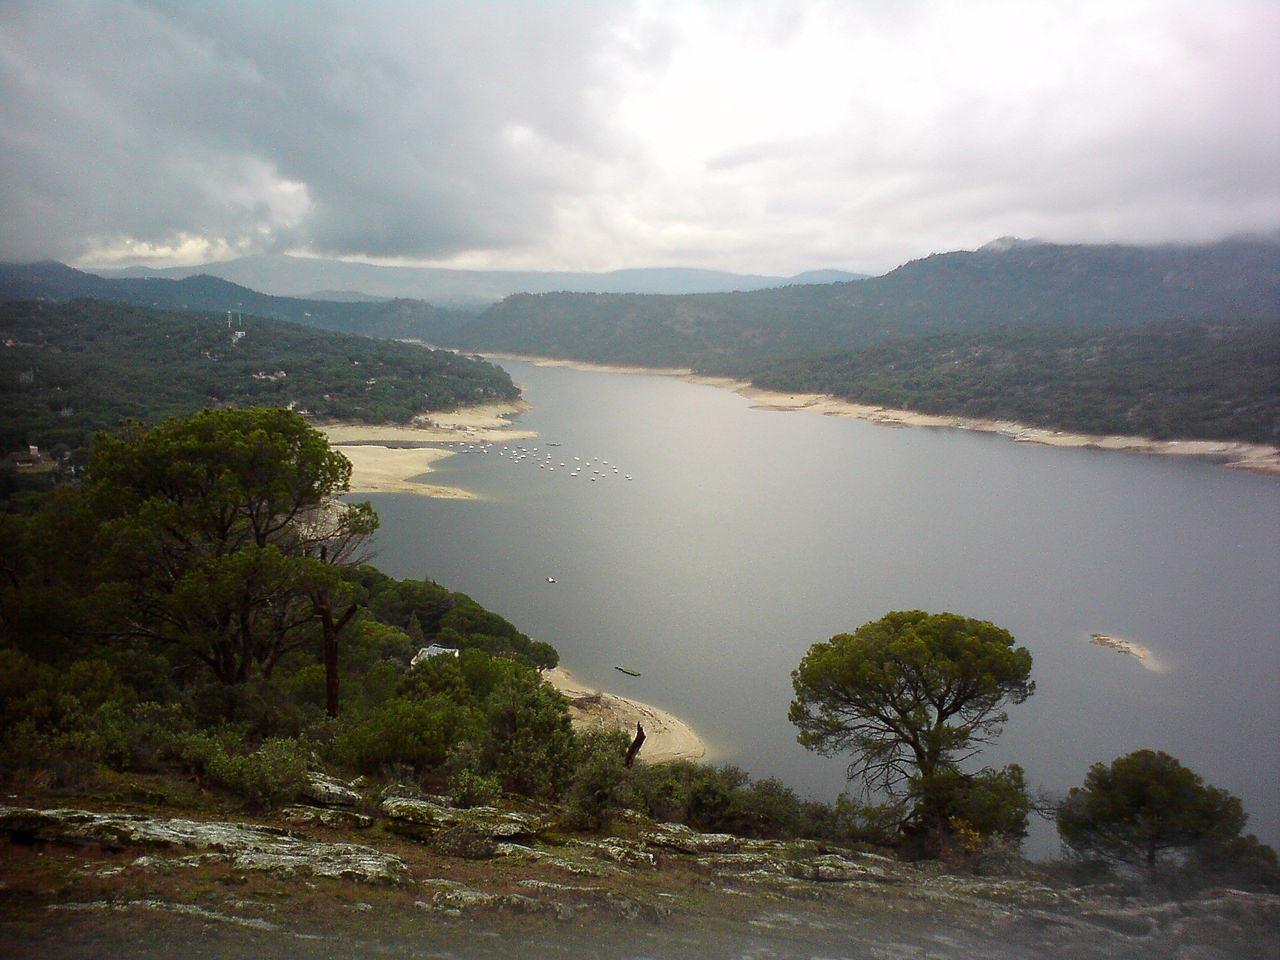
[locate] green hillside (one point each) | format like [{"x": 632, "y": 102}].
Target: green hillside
[
  {"x": 379, "y": 318},
  {"x": 1219, "y": 382},
  {"x": 70, "y": 369},
  {"x": 1034, "y": 286}
]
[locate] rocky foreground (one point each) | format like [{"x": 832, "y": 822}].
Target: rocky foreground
[{"x": 413, "y": 876}]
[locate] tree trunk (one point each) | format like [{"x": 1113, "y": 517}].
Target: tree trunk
[
  {"x": 330, "y": 630},
  {"x": 330, "y": 670},
  {"x": 634, "y": 749}
]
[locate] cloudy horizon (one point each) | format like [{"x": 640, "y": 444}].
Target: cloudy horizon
[{"x": 757, "y": 137}]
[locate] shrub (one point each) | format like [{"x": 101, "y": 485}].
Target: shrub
[
  {"x": 987, "y": 803},
  {"x": 470, "y": 789},
  {"x": 599, "y": 781},
  {"x": 414, "y": 732},
  {"x": 528, "y": 740},
  {"x": 1241, "y": 861},
  {"x": 272, "y": 774},
  {"x": 1144, "y": 808}
]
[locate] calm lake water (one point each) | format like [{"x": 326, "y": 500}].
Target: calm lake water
[{"x": 747, "y": 535}]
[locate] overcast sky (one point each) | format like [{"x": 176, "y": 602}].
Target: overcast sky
[{"x": 762, "y": 137}]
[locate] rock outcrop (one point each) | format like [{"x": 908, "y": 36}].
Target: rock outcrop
[{"x": 245, "y": 846}]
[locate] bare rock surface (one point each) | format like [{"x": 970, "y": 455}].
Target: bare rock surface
[
  {"x": 660, "y": 890},
  {"x": 326, "y": 791},
  {"x": 424, "y": 817},
  {"x": 245, "y": 846}
]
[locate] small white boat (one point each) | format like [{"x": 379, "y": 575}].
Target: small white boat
[{"x": 551, "y": 579}]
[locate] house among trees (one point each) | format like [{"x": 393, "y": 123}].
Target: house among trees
[
  {"x": 28, "y": 459},
  {"x": 435, "y": 650}
]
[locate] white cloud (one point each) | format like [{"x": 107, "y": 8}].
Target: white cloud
[{"x": 767, "y": 137}]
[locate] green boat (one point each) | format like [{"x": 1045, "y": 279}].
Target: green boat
[{"x": 629, "y": 673}]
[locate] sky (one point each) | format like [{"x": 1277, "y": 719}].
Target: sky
[{"x": 766, "y": 137}]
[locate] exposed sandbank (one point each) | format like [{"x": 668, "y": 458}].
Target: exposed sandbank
[
  {"x": 666, "y": 737},
  {"x": 1129, "y": 648},
  {"x": 586, "y": 365},
  {"x": 1256, "y": 457},
  {"x": 386, "y": 458}
]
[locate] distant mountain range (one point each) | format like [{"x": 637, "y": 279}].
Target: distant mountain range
[
  {"x": 284, "y": 275},
  {"x": 1006, "y": 284},
  {"x": 51, "y": 280},
  {"x": 1171, "y": 341}
]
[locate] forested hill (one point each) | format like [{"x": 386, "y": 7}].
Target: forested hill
[
  {"x": 1023, "y": 285},
  {"x": 1167, "y": 381},
  {"x": 68, "y": 369},
  {"x": 51, "y": 280}
]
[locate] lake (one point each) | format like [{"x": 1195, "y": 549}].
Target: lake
[{"x": 747, "y": 535}]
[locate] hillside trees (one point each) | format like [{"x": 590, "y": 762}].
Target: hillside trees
[
  {"x": 216, "y": 541},
  {"x": 1146, "y": 808},
  {"x": 911, "y": 696}
]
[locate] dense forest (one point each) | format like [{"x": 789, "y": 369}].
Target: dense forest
[
  {"x": 1218, "y": 382},
  {"x": 377, "y": 318},
  {"x": 70, "y": 369}
]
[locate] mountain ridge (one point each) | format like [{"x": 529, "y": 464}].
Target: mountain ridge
[{"x": 285, "y": 275}]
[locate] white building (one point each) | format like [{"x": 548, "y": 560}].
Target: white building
[{"x": 435, "y": 650}]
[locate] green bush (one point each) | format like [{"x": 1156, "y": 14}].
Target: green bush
[
  {"x": 696, "y": 794},
  {"x": 470, "y": 789},
  {"x": 528, "y": 741},
  {"x": 990, "y": 803},
  {"x": 272, "y": 774},
  {"x": 599, "y": 782},
  {"x": 419, "y": 733}
]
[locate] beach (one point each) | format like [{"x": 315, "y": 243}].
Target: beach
[
  {"x": 1255, "y": 457},
  {"x": 392, "y": 458},
  {"x": 667, "y": 737}
]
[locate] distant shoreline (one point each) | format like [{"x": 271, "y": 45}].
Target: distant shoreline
[{"x": 1238, "y": 455}]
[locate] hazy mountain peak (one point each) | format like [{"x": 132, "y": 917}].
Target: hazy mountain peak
[{"x": 1004, "y": 244}]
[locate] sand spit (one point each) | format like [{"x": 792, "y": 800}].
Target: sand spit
[
  {"x": 585, "y": 365},
  {"x": 386, "y": 458},
  {"x": 666, "y": 737},
  {"x": 1130, "y": 649},
  {"x": 1255, "y": 457}
]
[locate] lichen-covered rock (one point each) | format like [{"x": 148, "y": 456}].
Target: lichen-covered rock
[
  {"x": 186, "y": 909},
  {"x": 617, "y": 851},
  {"x": 517, "y": 851},
  {"x": 454, "y": 898},
  {"x": 682, "y": 839},
  {"x": 246, "y": 847},
  {"x": 600, "y": 900},
  {"x": 834, "y": 868},
  {"x": 304, "y": 816},
  {"x": 326, "y": 791},
  {"x": 421, "y": 819}
]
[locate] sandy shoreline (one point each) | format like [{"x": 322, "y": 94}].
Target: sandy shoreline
[
  {"x": 387, "y": 458},
  {"x": 1255, "y": 457},
  {"x": 667, "y": 737}
]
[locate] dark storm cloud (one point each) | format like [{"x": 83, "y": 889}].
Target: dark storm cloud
[{"x": 380, "y": 129}]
